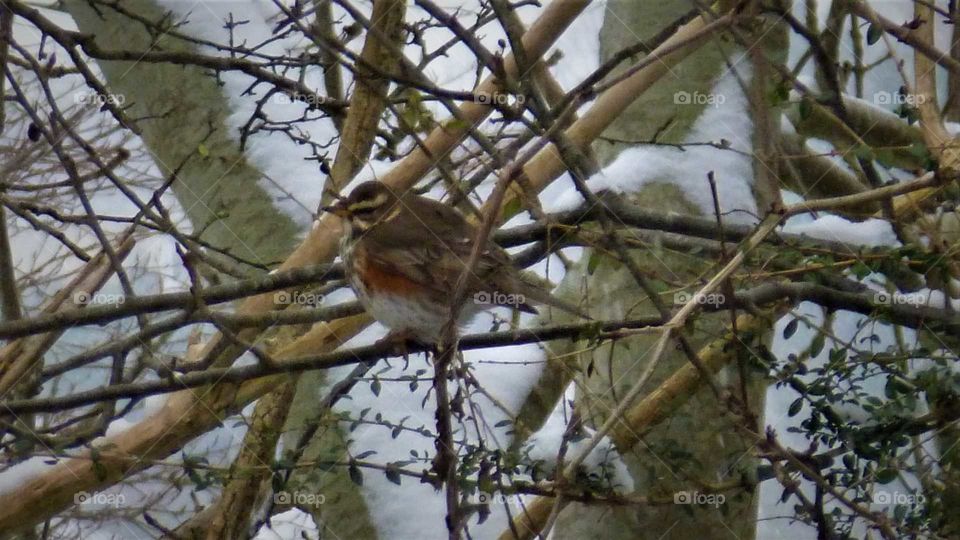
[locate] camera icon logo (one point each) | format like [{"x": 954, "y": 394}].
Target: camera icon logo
[
  {"x": 482, "y": 297},
  {"x": 682, "y": 497},
  {"x": 281, "y": 497},
  {"x": 682, "y": 98}
]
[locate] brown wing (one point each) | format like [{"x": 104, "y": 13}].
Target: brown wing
[{"x": 431, "y": 246}]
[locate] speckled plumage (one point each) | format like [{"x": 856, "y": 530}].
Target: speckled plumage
[{"x": 404, "y": 254}]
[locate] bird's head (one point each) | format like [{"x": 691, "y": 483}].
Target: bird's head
[{"x": 369, "y": 203}]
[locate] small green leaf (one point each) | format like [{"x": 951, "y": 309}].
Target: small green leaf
[
  {"x": 795, "y": 407},
  {"x": 203, "y": 150},
  {"x": 860, "y": 270},
  {"x": 791, "y": 328},
  {"x": 393, "y": 475},
  {"x": 864, "y": 152},
  {"x": 455, "y": 124},
  {"x": 805, "y": 109},
  {"x": 355, "y": 475},
  {"x": 817, "y": 346},
  {"x": 779, "y": 94},
  {"x": 874, "y": 33},
  {"x": 593, "y": 262},
  {"x": 512, "y": 208},
  {"x": 885, "y": 476}
]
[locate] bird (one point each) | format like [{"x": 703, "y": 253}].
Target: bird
[{"x": 403, "y": 255}]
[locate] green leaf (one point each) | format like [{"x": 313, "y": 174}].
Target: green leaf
[
  {"x": 791, "y": 328},
  {"x": 355, "y": 475},
  {"x": 860, "y": 270},
  {"x": 817, "y": 346},
  {"x": 594, "y": 262},
  {"x": 393, "y": 475},
  {"x": 805, "y": 109},
  {"x": 864, "y": 152},
  {"x": 99, "y": 471},
  {"x": 795, "y": 407},
  {"x": 779, "y": 94},
  {"x": 885, "y": 476},
  {"x": 455, "y": 124},
  {"x": 512, "y": 208},
  {"x": 874, "y": 33},
  {"x": 203, "y": 150},
  {"x": 375, "y": 387}
]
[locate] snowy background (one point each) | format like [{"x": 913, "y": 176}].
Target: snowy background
[{"x": 507, "y": 373}]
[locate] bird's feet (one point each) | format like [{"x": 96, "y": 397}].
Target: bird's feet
[{"x": 402, "y": 342}]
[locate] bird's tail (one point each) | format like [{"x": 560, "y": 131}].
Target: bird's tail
[{"x": 539, "y": 294}]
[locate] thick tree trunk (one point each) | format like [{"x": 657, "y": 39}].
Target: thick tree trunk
[
  {"x": 183, "y": 108},
  {"x": 697, "y": 445}
]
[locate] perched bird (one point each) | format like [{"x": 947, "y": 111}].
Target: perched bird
[{"x": 404, "y": 254}]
